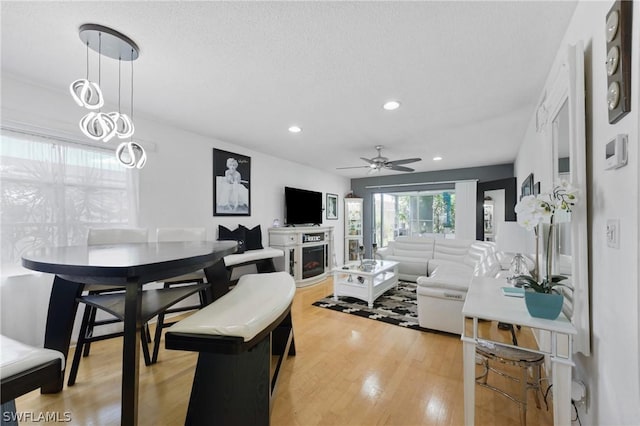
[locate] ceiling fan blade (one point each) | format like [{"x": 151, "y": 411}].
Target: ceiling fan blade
[
  {"x": 399, "y": 168},
  {"x": 367, "y": 160},
  {"x": 353, "y": 167},
  {"x": 405, "y": 161}
]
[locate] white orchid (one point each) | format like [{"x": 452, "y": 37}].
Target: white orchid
[
  {"x": 533, "y": 210},
  {"x": 543, "y": 208},
  {"x": 529, "y": 211}
]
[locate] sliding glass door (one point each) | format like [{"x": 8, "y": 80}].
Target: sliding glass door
[{"x": 412, "y": 213}]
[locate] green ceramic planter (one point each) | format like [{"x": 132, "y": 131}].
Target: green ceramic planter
[{"x": 543, "y": 305}]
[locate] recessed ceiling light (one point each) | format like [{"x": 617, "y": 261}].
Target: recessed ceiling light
[
  {"x": 437, "y": 158},
  {"x": 295, "y": 129},
  {"x": 391, "y": 105}
]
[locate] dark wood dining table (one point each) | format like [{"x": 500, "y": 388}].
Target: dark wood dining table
[{"x": 128, "y": 265}]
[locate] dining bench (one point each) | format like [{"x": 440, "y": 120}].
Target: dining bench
[
  {"x": 236, "y": 336},
  {"x": 24, "y": 368},
  {"x": 262, "y": 258},
  {"x": 221, "y": 275}
]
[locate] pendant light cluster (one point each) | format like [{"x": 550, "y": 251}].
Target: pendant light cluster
[{"x": 104, "y": 126}]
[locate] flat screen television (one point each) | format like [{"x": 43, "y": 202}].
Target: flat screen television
[{"x": 302, "y": 207}]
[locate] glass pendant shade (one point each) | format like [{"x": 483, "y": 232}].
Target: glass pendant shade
[
  {"x": 87, "y": 94},
  {"x": 124, "y": 125},
  {"x": 130, "y": 155},
  {"x": 98, "y": 126}
]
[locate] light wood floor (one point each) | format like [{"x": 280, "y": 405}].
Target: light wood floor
[{"x": 347, "y": 371}]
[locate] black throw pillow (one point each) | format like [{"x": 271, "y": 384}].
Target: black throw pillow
[
  {"x": 253, "y": 239},
  {"x": 239, "y": 235}
]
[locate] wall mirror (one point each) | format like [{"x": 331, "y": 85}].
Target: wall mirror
[{"x": 566, "y": 132}]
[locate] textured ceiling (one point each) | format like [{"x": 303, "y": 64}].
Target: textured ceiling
[{"x": 468, "y": 74}]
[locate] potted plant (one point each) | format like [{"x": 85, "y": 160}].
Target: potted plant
[
  {"x": 541, "y": 295},
  {"x": 542, "y": 298}
]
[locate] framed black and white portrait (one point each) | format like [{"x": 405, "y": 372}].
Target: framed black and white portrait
[
  {"x": 231, "y": 184},
  {"x": 332, "y": 206}
]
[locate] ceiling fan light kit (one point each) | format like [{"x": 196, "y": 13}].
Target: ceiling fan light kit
[{"x": 379, "y": 162}]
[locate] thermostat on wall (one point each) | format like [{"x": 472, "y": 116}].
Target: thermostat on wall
[{"x": 616, "y": 152}]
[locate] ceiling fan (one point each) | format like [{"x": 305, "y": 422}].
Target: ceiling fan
[{"x": 378, "y": 163}]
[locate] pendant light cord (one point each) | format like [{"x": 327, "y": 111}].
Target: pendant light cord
[
  {"x": 99, "y": 59},
  {"x": 100, "y": 62},
  {"x": 119, "y": 82},
  {"x": 87, "y": 59},
  {"x": 131, "y": 139}
]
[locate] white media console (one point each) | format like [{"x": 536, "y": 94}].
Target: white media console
[{"x": 308, "y": 251}]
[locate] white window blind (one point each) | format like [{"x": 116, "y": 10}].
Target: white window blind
[{"x": 53, "y": 191}]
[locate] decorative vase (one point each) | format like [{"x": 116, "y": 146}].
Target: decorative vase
[{"x": 543, "y": 305}]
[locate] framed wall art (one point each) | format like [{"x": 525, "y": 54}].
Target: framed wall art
[
  {"x": 332, "y": 206},
  {"x": 527, "y": 186},
  {"x": 536, "y": 188},
  {"x": 231, "y": 184}
]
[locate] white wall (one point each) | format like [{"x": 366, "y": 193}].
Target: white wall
[
  {"x": 176, "y": 185},
  {"x": 612, "y": 373}
]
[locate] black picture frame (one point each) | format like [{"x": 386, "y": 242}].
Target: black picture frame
[
  {"x": 536, "y": 188},
  {"x": 331, "y": 208},
  {"x": 231, "y": 184},
  {"x": 527, "y": 186}
]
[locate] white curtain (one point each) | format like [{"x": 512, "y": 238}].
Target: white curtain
[
  {"x": 53, "y": 191},
  {"x": 466, "y": 210}
]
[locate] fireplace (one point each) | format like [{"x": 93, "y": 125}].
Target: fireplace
[
  {"x": 312, "y": 261},
  {"x": 307, "y": 250}
]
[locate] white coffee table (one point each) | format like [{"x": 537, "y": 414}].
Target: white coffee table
[{"x": 365, "y": 284}]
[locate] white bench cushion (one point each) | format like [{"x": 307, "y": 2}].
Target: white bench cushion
[
  {"x": 16, "y": 357},
  {"x": 250, "y": 307},
  {"x": 252, "y": 255}
]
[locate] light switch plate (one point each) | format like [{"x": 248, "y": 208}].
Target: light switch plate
[{"x": 613, "y": 233}]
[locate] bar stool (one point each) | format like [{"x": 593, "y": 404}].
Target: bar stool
[
  {"x": 198, "y": 277},
  {"x": 530, "y": 364},
  {"x": 111, "y": 299},
  {"x": 99, "y": 236}
]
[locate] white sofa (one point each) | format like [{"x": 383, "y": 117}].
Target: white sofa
[
  {"x": 443, "y": 270},
  {"x": 412, "y": 255}
]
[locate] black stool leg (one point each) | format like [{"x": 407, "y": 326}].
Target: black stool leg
[
  {"x": 80, "y": 345},
  {"x": 90, "y": 325},
  {"x": 156, "y": 338}
]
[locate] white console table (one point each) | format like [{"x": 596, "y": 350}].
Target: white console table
[
  {"x": 308, "y": 251},
  {"x": 485, "y": 301}
]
